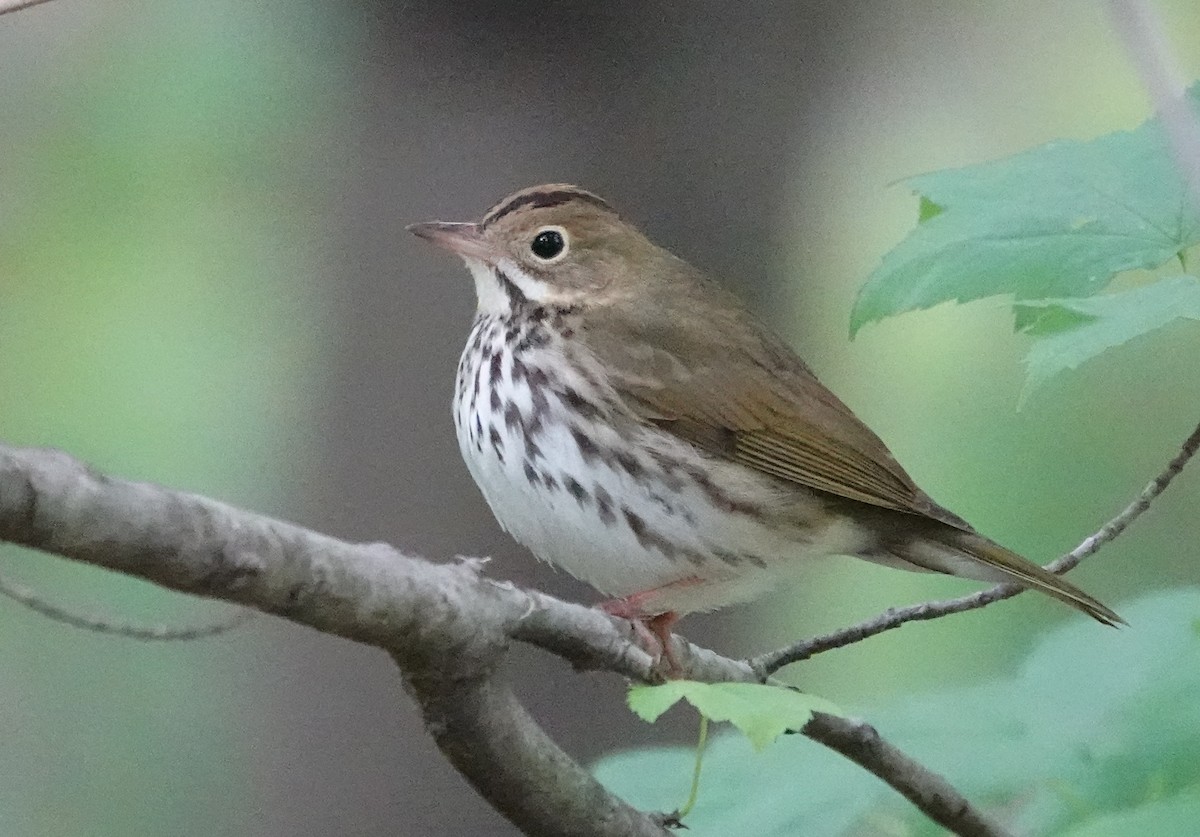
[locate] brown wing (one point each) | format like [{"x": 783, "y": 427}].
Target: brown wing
[{"x": 717, "y": 378}]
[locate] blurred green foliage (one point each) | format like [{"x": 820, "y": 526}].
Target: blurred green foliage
[
  {"x": 1086, "y": 737},
  {"x": 160, "y": 316}
]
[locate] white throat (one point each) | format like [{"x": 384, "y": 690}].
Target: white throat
[
  {"x": 492, "y": 295},
  {"x": 491, "y": 298}
]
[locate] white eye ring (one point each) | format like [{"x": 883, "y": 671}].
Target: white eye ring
[{"x": 550, "y": 244}]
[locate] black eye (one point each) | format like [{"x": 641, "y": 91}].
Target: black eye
[{"x": 547, "y": 244}]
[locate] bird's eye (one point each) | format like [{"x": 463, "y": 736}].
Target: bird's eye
[{"x": 549, "y": 243}]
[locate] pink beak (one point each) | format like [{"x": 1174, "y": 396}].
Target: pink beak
[{"x": 465, "y": 239}]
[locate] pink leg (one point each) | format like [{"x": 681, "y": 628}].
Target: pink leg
[{"x": 653, "y": 629}]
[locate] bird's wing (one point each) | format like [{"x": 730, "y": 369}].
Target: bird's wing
[{"x": 732, "y": 388}]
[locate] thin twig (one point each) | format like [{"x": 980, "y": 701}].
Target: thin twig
[
  {"x": 103, "y": 625},
  {"x": 768, "y": 664}
]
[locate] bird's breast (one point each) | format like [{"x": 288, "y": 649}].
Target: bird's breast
[{"x": 613, "y": 500}]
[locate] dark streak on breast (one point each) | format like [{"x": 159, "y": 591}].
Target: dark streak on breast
[
  {"x": 516, "y": 297},
  {"x": 587, "y": 448},
  {"x": 604, "y": 505}
]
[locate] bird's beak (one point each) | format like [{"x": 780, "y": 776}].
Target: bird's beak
[{"x": 464, "y": 239}]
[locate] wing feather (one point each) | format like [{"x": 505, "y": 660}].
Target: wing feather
[{"x": 722, "y": 381}]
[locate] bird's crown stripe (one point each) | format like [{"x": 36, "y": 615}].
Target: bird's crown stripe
[{"x": 542, "y": 199}]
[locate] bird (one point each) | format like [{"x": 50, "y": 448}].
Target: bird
[{"x": 630, "y": 421}]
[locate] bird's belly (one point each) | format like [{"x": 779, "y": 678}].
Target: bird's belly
[
  {"x": 637, "y": 511},
  {"x": 573, "y": 514}
]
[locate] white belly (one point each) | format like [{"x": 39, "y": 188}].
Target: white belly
[{"x": 624, "y": 517}]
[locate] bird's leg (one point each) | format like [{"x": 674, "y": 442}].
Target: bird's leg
[
  {"x": 653, "y": 633},
  {"x": 659, "y": 627},
  {"x": 653, "y": 630}
]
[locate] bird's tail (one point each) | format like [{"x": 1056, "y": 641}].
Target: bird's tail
[{"x": 971, "y": 555}]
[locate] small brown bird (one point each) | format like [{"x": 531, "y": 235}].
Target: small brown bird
[{"x": 632, "y": 423}]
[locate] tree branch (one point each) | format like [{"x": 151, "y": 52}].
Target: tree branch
[
  {"x": 7, "y": 6},
  {"x": 443, "y": 623},
  {"x": 768, "y": 664},
  {"x": 446, "y": 626},
  {"x": 862, "y": 744},
  {"x": 484, "y": 731}
]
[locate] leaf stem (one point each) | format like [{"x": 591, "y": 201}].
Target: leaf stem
[{"x": 695, "y": 791}]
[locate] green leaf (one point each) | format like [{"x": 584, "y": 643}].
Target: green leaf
[
  {"x": 1083, "y": 328},
  {"x": 1038, "y": 321},
  {"x": 927, "y": 209},
  {"x": 1096, "y": 727},
  {"x": 1056, "y": 221},
  {"x": 762, "y": 713}
]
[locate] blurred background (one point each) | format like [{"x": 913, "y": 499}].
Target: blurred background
[{"x": 205, "y": 283}]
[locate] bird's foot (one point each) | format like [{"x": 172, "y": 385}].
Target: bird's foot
[{"x": 653, "y": 633}]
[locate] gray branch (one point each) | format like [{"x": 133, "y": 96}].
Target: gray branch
[
  {"x": 446, "y": 626},
  {"x": 862, "y": 744}
]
